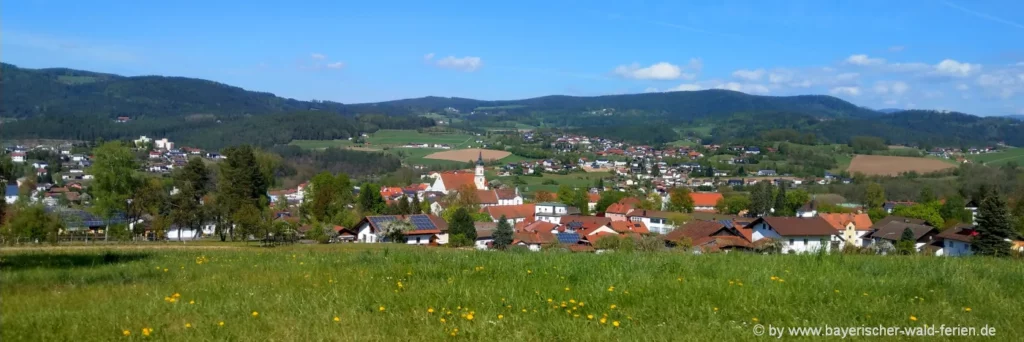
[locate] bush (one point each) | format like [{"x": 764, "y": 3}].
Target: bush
[
  {"x": 650, "y": 243},
  {"x": 459, "y": 240}
]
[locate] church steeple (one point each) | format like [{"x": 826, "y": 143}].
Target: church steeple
[
  {"x": 480, "y": 158},
  {"x": 478, "y": 176}
]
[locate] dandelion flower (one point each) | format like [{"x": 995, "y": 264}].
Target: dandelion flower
[
  {"x": 176, "y": 295},
  {"x": 146, "y": 331},
  {"x": 126, "y": 333},
  {"x": 529, "y": 272},
  {"x": 337, "y": 319},
  {"x": 524, "y": 310},
  {"x": 443, "y": 320},
  {"x": 616, "y": 324},
  {"x": 501, "y": 316},
  {"x": 165, "y": 270},
  {"x": 453, "y": 333},
  {"x": 220, "y": 324},
  {"x": 580, "y": 304},
  {"x": 604, "y": 320},
  {"x": 837, "y": 291},
  {"x": 613, "y": 306},
  {"x": 380, "y": 308},
  {"x": 550, "y": 300},
  {"x": 255, "y": 314},
  {"x": 188, "y": 325},
  {"x": 912, "y": 318},
  {"x": 967, "y": 309},
  {"x": 590, "y": 316},
  {"x": 430, "y": 310},
  {"x": 567, "y": 289},
  {"x": 192, "y": 302},
  {"x": 573, "y": 301},
  {"x": 716, "y": 309},
  {"x": 469, "y": 317},
  {"x": 754, "y": 319}
]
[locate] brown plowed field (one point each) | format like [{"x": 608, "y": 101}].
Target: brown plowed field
[{"x": 893, "y": 166}]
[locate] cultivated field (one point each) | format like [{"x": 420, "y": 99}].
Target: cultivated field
[
  {"x": 468, "y": 154},
  {"x": 889, "y": 165},
  {"x": 403, "y": 293},
  {"x": 999, "y": 158}
]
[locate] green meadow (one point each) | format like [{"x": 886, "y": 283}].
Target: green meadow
[
  {"x": 1015, "y": 155},
  {"x": 534, "y": 184},
  {"x": 409, "y": 293}
]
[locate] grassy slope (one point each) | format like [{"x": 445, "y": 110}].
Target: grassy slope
[
  {"x": 298, "y": 290},
  {"x": 999, "y": 158},
  {"x": 576, "y": 179}
]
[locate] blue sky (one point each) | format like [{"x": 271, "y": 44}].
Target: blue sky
[{"x": 956, "y": 55}]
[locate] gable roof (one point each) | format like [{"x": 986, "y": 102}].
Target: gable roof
[
  {"x": 423, "y": 223},
  {"x": 535, "y": 237},
  {"x": 486, "y": 197},
  {"x": 619, "y": 208},
  {"x": 705, "y": 199},
  {"x": 694, "y": 230},
  {"x": 506, "y": 194},
  {"x": 892, "y": 218},
  {"x": 520, "y": 211},
  {"x": 455, "y": 180},
  {"x": 593, "y": 197},
  {"x": 649, "y": 213},
  {"x": 839, "y": 221},
  {"x": 797, "y": 226},
  {"x": 535, "y": 226},
  {"x": 893, "y": 230},
  {"x": 624, "y": 227},
  {"x": 585, "y": 219},
  {"x": 962, "y": 233}
]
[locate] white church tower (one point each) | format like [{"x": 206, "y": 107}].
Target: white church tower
[{"x": 478, "y": 176}]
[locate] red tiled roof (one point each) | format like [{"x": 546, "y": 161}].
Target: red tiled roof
[
  {"x": 506, "y": 194},
  {"x": 624, "y": 227},
  {"x": 632, "y": 201},
  {"x": 959, "y": 233},
  {"x": 487, "y": 197},
  {"x": 648, "y": 213},
  {"x": 619, "y": 208},
  {"x": 593, "y": 198},
  {"x": 524, "y": 211},
  {"x": 535, "y": 226},
  {"x": 705, "y": 199},
  {"x": 839, "y": 221},
  {"x": 390, "y": 191},
  {"x": 694, "y": 230},
  {"x": 585, "y": 219},
  {"x": 455, "y": 180},
  {"x": 535, "y": 237}
]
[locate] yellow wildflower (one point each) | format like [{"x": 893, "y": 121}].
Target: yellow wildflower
[
  {"x": 573, "y": 301},
  {"x": 430, "y": 310},
  {"x": 176, "y": 295},
  {"x": 580, "y": 304},
  {"x": 967, "y": 309},
  {"x": 443, "y": 320},
  {"x": 716, "y": 309},
  {"x": 126, "y": 333},
  {"x": 188, "y": 325},
  {"x": 380, "y": 308},
  {"x": 616, "y": 324},
  {"x": 220, "y": 324},
  {"x": 590, "y": 316},
  {"x": 754, "y": 319},
  {"x": 192, "y": 302},
  {"x": 524, "y": 310},
  {"x": 613, "y": 306},
  {"x": 501, "y": 316},
  {"x": 337, "y": 319},
  {"x": 165, "y": 270},
  {"x": 146, "y": 331},
  {"x": 255, "y": 314},
  {"x": 567, "y": 289},
  {"x": 912, "y": 318},
  {"x": 469, "y": 317},
  {"x": 604, "y": 320}
]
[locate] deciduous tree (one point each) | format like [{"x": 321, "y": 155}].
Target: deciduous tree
[{"x": 680, "y": 200}]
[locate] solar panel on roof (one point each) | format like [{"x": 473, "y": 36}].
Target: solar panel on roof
[
  {"x": 568, "y": 237},
  {"x": 422, "y": 222},
  {"x": 379, "y": 220}
]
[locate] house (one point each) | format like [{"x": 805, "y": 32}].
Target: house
[
  {"x": 18, "y": 157},
  {"x": 11, "y": 194},
  {"x": 629, "y": 227},
  {"x": 513, "y": 213},
  {"x": 427, "y": 229},
  {"x": 453, "y": 181},
  {"x": 957, "y": 241},
  {"x": 592, "y": 199},
  {"x": 891, "y": 229},
  {"x": 550, "y": 211},
  {"x": 656, "y": 221},
  {"x": 344, "y": 234},
  {"x": 484, "y": 234},
  {"x": 850, "y": 228},
  {"x": 766, "y": 173},
  {"x": 618, "y": 211},
  {"x": 705, "y": 201},
  {"x": 178, "y": 233},
  {"x": 488, "y": 198},
  {"x": 972, "y": 206},
  {"x": 809, "y": 209},
  {"x": 709, "y": 236},
  {"x": 794, "y": 234},
  {"x": 533, "y": 240}
]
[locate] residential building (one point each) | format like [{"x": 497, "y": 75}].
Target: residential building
[
  {"x": 851, "y": 229},
  {"x": 550, "y": 211},
  {"x": 891, "y": 229},
  {"x": 656, "y": 221},
  {"x": 957, "y": 241},
  {"x": 794, "y": 234},
  {"x": 709, "y": 236},
  {"x": 18, "y": 157},
  {"x": 11, "y": 193},
  {"x": 513, "y": 213},
  {"x": 705, "y": 201},
  {"x": 427, "y": 229}
]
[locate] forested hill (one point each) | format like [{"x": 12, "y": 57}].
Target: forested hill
[
  {"x": 683, "y": 105},
  {"x": 32, "y": 92}
]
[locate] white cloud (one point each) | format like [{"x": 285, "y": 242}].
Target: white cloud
[
  {"x": 428, "y": 56},
  {"x": 896, "y": 48},
  {"x": 696, "y": 64},
  {"x": 336, "y": 65},
  {"x": 864, "y": 60},
  {"x": 749, "y": 75},
  {"x": 846, "y": 77},
  {"x": 467, "y": 64},
  {"x": 851, "y": 91},
  {"x": 686, "y": 87},
  {"x": 750, "y": 88},
  {"x": 952, "y": 67},
  {"x": 778, "y": 77},
  {"x": 318, "y": 56},
  {"x": 893, "y": 87},
  {"x": 651, "y": 90},
  {"x": 657, "y": 71}
]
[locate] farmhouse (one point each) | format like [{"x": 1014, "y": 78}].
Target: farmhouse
[
  {"x": 709, "y": 236},
  {"x": 795, "y": 234},
  {"x": 427, "y": 229}
]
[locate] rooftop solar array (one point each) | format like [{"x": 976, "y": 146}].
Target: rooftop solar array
[
  {"x": 569, "y": 238},
  {"x": 381, "y": 220},
  {"x": 422, "y": 222}
]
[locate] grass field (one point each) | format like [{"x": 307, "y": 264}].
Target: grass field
[
  {"x": 999, "y": 158},
  {"x": 388, "y": 292},
  {"x": 576, "y": 179},
  {"x": 394, "y": 137},
  {"x": 321, "y": 144}
]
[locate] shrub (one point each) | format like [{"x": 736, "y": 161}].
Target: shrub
[
  {"x": 459, "y": 240},
  {"x": 650, "y": 243}
]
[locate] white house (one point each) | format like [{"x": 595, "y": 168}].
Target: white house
[
  {"x": 851, "y": 229},
  {"x": 453, "y": 181},
  {"x": 177, "y": 233},
  {"x": 11, "y": 194},
  {"x": 427, "y": 229},
  {"x": 891, "y": 229},
  {"x": 18, "y": 157},
  {"x": 957, "y": 241},
  {"x": 795, "y": 234},
  {"x": 164, "y": 144},
  {"x": 513, "y": 213},
  {"x": 656, "y": 221},
  {"x": 550, "y": 211}
]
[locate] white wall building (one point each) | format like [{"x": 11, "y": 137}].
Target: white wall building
[{"x": 794, "y": 234}]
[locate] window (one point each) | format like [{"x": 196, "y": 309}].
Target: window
[
  {"x": 417, "y": 239},
  {"x": 805, "y": 242},
  {"x": 791, "y": 241}
]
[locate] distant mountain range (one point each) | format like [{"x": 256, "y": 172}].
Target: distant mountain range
[{"x": 59, "y": 96}]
